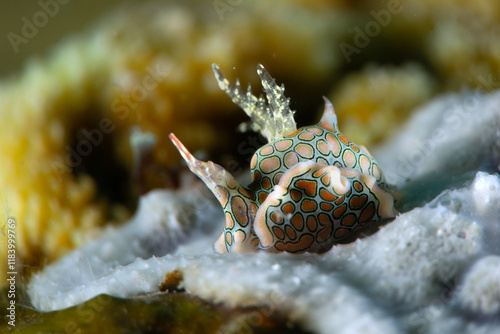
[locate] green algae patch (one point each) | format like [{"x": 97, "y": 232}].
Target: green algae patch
[
  {"x": 154, "y": 313},
  {"x": 165, "y": 313}
]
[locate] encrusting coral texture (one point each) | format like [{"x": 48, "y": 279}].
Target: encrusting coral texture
[{"x": 434, "y": 269}]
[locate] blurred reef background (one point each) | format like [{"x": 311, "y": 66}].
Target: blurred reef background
[{"x": 80, "y": 83}]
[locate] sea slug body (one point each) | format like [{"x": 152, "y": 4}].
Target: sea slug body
[{"x": 310, "y": 188}]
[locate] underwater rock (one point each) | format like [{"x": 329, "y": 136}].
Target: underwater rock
[
  {"x": 417, "y": 273},
  {"x": 164, "y": 220},
  {"x": 480, "y": 290},
  {"x": 453, "y": 134},
  {"x": 443, "y": 144},
  {"x": 397, "y": 274}
]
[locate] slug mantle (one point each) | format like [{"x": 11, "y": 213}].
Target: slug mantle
[{"x": 310, "y": 189}]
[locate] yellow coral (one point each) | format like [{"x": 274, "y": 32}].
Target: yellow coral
[
  {"x": 376, "y": 100},
  {"x": 459, "y": 39}
]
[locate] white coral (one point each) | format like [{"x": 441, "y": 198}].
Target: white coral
[{"x": 480, "y": 291}]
